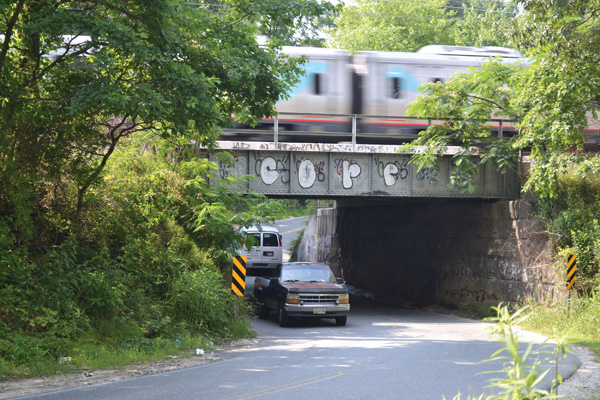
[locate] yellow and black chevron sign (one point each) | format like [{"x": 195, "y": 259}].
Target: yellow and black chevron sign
[
  {"x": 238, "y": 275},
  {"x": 571, "y": 271}
]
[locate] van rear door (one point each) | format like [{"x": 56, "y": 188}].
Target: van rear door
[
  {"x": 271, "y": 248},
  {"x": 254, "y": 254}
]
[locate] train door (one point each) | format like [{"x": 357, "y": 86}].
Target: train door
[
  {"x": 391, "y": 84},
  {"x": 320, "y": 75},
  {"x": 357, "y": 91},
  {"x": 398, "y": 87},
  {"x": 310, "y": 94}
]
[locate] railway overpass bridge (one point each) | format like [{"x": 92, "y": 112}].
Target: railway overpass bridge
[
  {"x": 317, "y": 170},
  {"x": 334, "y": 161},
  {"x": 403, "y": 233}
]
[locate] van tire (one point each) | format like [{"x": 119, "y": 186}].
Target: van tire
[{"x": 341, "y": 321}]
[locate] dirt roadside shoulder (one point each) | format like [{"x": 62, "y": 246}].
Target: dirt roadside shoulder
[
  {"x": 45, "y": 384},
  {"x": 584, "y": 384}
]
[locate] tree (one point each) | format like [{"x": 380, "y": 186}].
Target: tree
[
  {"x": 482, "y": 23},
  {"x": 559, "y": 92},
  {"x": 396, "y": 25},
  {"x": 465, "y": 103},
  {"x": 552, "y": 98},
  {"x": 383, "y": 25},
  {"x": 79, "y": 76},
  {"x": 308, "y": 30}
]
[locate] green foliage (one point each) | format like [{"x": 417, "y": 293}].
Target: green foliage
[
  {"x": 573, "y": 215},
  {"x": 465, "y": 103},
  {"x": 522, "y": 369},
  {"x": 293, "y": 246},
  {"x": 391, "y": 26},
  {"x": 579, "y": 317},
  {"x": 200, "y": 299},
  {"x": 551, "y": 100},
  {"x": 482, "y": 22},
  {"x": 78, "y": 77},
  {"x": 407, "y": 26},
  {"x": 140, "y": 275},
  {"x": 307, "y": 29},
  {"x": 105, "y": 210},
  {"x": 296, "y": 207},
  {"x": 477, "y": 309}
]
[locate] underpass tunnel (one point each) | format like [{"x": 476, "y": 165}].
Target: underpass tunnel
[
  {"x": 397, "y": 250},
  {"x": 438, "y": 251}
]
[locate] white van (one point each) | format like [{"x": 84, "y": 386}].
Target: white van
[{"x": 267, "y": 253}]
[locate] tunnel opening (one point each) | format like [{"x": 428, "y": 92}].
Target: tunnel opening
[{"x": 441, "y": 251}]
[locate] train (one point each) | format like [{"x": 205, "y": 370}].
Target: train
[{"x": 375, "y": 86}]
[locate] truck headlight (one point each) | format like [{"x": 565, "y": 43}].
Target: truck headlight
[
  {"x": 292, "y": 298},
  {"x": 344, "y": 298}
]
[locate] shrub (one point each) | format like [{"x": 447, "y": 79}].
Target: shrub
[
  {"x": 136, "y": 270},
  {"x": 573, "y": 216},
  {"x": 201, "y": 300}
]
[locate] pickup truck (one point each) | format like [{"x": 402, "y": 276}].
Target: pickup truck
[{"x": 304, "y": 290}]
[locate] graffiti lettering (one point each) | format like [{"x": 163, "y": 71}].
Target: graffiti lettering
[
  {"x": 347, "y": 170},
  {"x": 350, "y": 171},
  {"x": 308, "y": 147},
  {"x": 309, "y": 171},
  {"x": 270, "y": 169},
  {"x": 225, "y": 168},
  {"x": 320, "y": 147},
  {"x": 240, "y": 146},
  {"x": 429, "y": 174},
  {"x": 283, "y": 169},
  {"x": 320, "y": 170},
  {"x": 306, "y": 174},
  {"x": 391, "y": 172}
]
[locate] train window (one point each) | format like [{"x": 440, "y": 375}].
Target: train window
[
  {"x": 396, "y": 87},
  {"x": 318, "y": 84}
]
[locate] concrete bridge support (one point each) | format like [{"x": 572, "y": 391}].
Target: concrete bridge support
[
  {"x": 444, "y": 251},
  {"x": 320, "y": 240}
]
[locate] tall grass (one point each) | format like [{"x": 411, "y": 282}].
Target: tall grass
[
  {"x": 580, "y": 316},
  {"x": 95, "y": 351}
]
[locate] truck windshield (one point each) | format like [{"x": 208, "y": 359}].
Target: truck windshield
[{"x": 307, "y": 274}]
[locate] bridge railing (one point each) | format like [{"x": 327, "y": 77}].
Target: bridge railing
[{"x": 402, "y": 128}]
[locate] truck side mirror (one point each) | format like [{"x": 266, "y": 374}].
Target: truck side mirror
[{"x": 340, "y": 280}]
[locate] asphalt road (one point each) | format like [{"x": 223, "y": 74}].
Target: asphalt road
[
  {"x": 290, "y": 229},
  {"x": 382, "y": 353}
]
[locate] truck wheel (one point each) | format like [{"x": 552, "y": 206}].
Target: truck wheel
[
  {"x": 282, "y": 317},
  {"x": 341, "y": 321}
]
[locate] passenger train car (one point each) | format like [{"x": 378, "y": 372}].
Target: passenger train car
[{"x": 375, "y": 86}]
